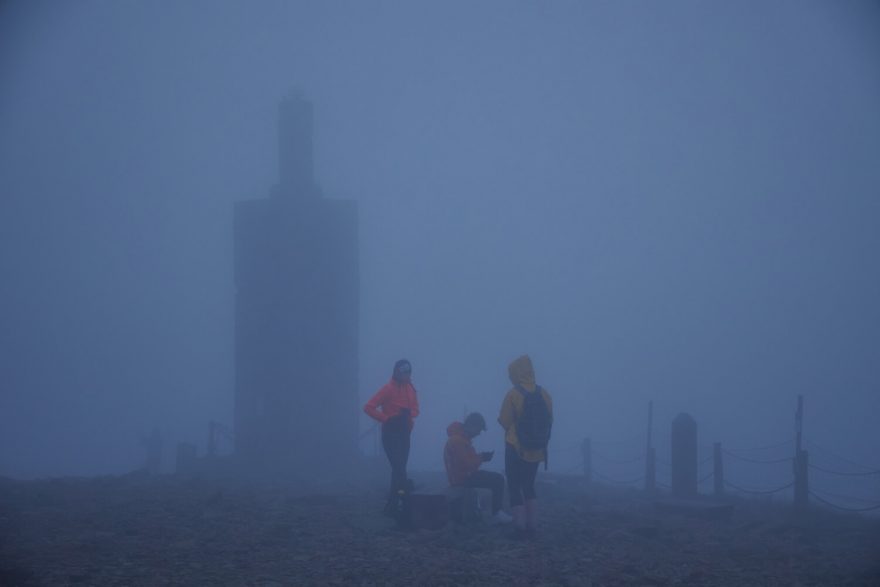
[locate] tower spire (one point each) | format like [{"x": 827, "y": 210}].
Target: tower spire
[{"x": 295, "y": 159}]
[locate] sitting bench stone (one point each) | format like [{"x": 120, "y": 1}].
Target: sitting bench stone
[{"x": 467, "y": 504}]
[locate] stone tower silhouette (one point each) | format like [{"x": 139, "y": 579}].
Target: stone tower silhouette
[{"x": 296, "y": 315}]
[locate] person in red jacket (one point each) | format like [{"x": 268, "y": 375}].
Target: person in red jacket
[
  {"x": 463, "y": 462},
  {"x": 395, "y": 406}
]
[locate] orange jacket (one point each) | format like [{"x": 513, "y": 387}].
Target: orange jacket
[
  {"x": 391, "y": 399},
  {"x": 459, "y": 456}
]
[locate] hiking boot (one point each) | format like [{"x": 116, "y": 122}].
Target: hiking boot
[{"x": 501, "y": 517}]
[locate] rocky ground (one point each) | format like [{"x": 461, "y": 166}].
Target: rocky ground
[{"x": 164, "y": 531}]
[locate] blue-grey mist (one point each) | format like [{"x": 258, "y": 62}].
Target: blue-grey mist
[{"x": 675, "y": 202}]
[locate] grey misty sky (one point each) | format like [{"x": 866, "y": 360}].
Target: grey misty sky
[{"x": 668, "y": 201}]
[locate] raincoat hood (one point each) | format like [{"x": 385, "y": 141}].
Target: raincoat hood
[{"x": 522, "y": 373}]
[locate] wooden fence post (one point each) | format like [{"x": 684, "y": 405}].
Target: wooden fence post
[
  {"x": 801, "y": 481},
  {"x": 651, "y": 470}
]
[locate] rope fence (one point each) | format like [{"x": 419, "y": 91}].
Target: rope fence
[
  {"x": 757, "y": 461},
  {"x": 767, "y": 447},
  {"x": 821, "y": 449},
  {"x": 843, "y": 508},
  {"x": 758, "y": 491},
  {"x": 845, "y": 474},
  {"x": 848, "y": 497},
  {"x": 686, "y": 474},
  {"x": 619, "y": 461}
]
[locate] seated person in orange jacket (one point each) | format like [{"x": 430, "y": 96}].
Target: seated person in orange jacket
[{"x": 463, "y": 462}]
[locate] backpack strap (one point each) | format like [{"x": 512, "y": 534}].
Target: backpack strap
[{"x": 524, "y": 391}]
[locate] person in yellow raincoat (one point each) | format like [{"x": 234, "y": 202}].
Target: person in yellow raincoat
[{"x": 526, "y": 416}]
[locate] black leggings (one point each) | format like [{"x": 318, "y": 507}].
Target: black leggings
[
  {"x": 520, "y": 476},
  {"x": 395, "y": 441},
  {"x": 488, "y": 480}
]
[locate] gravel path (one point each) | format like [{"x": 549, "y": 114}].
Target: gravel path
[{"x": 137, "y": 531}]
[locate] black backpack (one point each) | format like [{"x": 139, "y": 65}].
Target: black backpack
[{"x": 534, "y": 423}]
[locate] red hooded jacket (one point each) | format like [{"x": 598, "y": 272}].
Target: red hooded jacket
[
  {"x": 459, "y": 455},
  {"x": 393, "y": 397}
]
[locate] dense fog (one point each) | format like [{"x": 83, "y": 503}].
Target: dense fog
[{"x": 672, "y": 202}]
